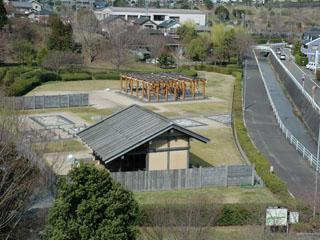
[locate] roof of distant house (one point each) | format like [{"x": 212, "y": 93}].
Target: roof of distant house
[
  {"x": 155, "y": 10},
  {"x": 27, "y": 5},
  {"x": 127, "y": 129},
  {"x": 168, "y": 23},
  {"x": 112, "y": 18},
  {"x": 143, "y": 20},
  {"x": 313, "y": 41}
]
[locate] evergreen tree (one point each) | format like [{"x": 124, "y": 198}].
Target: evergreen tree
[
  {"x": 90, "y": 205},
  {"x": 3, "y": 15},
  {"x": 61, "y": 35}
]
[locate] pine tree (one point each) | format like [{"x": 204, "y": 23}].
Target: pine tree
[
  {"x": 90, "y": 205},
  {"x": 61, "y": 35},
  {"x": 3, "y": 15}
]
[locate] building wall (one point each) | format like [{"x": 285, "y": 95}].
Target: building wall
[
  {"x": 171, "y": 153},
  {"x": 197, "y": 18}
]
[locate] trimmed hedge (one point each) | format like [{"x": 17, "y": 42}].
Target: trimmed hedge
[
  {"x": 24, "y": 85},
  {"x": 76, "y": 76},
  {"x": 107, "y": 76}
]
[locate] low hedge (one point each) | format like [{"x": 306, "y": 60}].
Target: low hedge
[
  {"x": 22, "y": 86},
  {"x": 3, "y": 72},
  {"x": 76, "y": 76},
  {"x": 107, "y": 76}
]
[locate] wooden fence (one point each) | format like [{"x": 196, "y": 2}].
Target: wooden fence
[{"x": 186, "y": 178}]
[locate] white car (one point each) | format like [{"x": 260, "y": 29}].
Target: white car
[
  {"x": 282, "y": 57},
  {"x": 312, "y": 66}
]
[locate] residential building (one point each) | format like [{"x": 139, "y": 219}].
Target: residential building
[
  {"x": 138, "y": 139},
  {"x": 145, "y": 22},
  {"x": 157, "y": 15},
  {"x": 112, "y": 22},
  {"x": 26, "y": 6},
  {"x": 310, "y": 49},
  {"x": 169, "y": 27},
  {"x": 310, "y": 34}
]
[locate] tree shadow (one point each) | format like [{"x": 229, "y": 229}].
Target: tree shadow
[{"x": 196, "y": 161}]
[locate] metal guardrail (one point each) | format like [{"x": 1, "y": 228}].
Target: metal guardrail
[{"x": 306, "y": 154}]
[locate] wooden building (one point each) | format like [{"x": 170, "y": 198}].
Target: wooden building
[
  {"x": 156, "y": 87},
  {"x": 138, "y": 139}
]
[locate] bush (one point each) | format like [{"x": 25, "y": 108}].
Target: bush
[
  {"x": 106, "y": 76},
  {"x": 186, "y": 70},
  {"x": 3, "y": 72},
  {"x": 75, "y": 76},
  {"x": 301, "y": 60}
]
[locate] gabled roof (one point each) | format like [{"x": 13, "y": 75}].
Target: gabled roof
[
  {"x": 143, "y": 20},
  {"x": 168, "y": 23},
  {"x": 313, "y": 41},
  {"x": 127, "y": 129}
]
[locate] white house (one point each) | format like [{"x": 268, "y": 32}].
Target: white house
[{"x": 157, "y": 15}]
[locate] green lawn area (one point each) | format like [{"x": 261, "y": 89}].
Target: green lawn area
[
  {"x": 85, "y": 85},
  {"x": 219, "y": 86},
  {"x": 219, "y": 151},
  {"x": 247, "y": 232},
  {"x": 61, "y": 146},
  {"x": 213, "y": 195}
]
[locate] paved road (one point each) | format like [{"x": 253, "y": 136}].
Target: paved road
[
  {"x": 297, "y": 72},
  {"x": 284, "y": 107},
  {"x": 267, "y": 137}
]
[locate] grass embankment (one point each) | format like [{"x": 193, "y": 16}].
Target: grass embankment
[
  {"x": 61, "y": 146},
  {"x": 219, "y": 195}
]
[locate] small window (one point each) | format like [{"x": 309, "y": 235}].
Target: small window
[
  {"x": 144, "y": 16},
  {"x": 177, "y": 19},
  {"x": 158, "y": 17}
]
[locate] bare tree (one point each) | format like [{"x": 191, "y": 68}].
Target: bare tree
[
  {"x": 171, "y": 223},
  {"x": 86, "y": 27},
  {"x": 156, "y": 44},
  {"x": 4, "y": 42},
  {"x": 58, "y": 60},
  {"x": 22, "y": 171},
  {"x": 117, "y": 47},
  {"x": 241, "y": 43}
]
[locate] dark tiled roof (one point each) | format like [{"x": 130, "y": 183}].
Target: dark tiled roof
[
  {"x": 127, "y": 129},
  {"x": 112, "y": 18},
  {"x": 143, "y": 20},
  {"x": 168, "y": 23}
]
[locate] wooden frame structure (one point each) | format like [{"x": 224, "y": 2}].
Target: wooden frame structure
[{"x": 163, "y": 86}]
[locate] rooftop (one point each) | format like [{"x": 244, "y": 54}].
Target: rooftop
[
  {"x": 154, "y": 10},
  {"x": 127, "y": 129},
  {"x": 164, "y": 76}
]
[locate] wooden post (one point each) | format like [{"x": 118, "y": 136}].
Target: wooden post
[
  {"x": 203, "y": 88},
  {"x": 194, "y": 89},
  {"x": 131, "y": 86},
  {"x": 121, "y": 88},
  {"x": 148, "y": 92},
  {"x": 157, "y": 89},
  {"x": 184, "y": 90},
  {"x": 126, "y": 84},
  {"x": 175, "y": 91},
  {"x": 142, "y": 89},
  {"x": 166, "y": 92},
  {"x": 137, "y": 88}
]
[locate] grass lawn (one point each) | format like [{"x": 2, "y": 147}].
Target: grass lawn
[
  {"x": 219, "y": 151},
  {"x": 218, "y": 86},
  {"x": 213, "y": 195},
  {"x": 85, "y": 85},
  {"x": 247, "y": 232},
  {"x": 61, "y": 146}
]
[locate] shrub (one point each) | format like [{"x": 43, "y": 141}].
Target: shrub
[
  {"x": 234, "y": 214},
  {"x": 3, "y": 72},
  {"x": 301, "y": 60},
  {"x": 49, "y": 76},
  {"x": 107, "y": 76},
  {"x": 75, "y": 76}
]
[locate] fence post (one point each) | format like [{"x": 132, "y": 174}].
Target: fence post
[
  {"x": 226, "y": 172},
  {"x": 34, "y": 102},
  {"x": 200, "y": 177},
  {"x": 252, "y": 175},
  {"x": 303, "y": 151}
]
